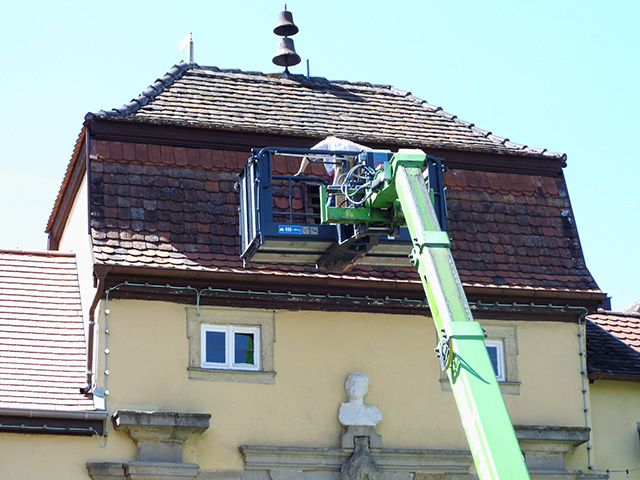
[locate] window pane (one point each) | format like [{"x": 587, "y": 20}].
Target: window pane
[
  {"x": 215, "y": 347},
  {"x": 493, "y": 355},
  {"x": 244, "y": 348}
]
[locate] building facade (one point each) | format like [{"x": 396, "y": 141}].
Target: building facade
[{"x": 211, "y": 366}]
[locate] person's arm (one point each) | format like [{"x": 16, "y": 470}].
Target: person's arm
[{"x": 303, "y": 165}]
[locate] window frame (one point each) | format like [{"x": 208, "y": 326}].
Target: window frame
[
  {"x": 500, "y": 360},
  {"x": 230, "y": 332}
]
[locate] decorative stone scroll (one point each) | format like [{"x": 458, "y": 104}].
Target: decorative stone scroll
[{"x": 360, "y": 465}]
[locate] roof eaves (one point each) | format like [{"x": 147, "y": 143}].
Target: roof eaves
[
  {"x": 38, "y": 253},
  {"x": 67, "y": 175},
  {"x": 57, "y": 422},
  {"x": 613, "y": 377},
  {"x": 618, "y": 313}
]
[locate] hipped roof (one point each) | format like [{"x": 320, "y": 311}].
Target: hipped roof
[
  {"x": 295, "y": 105},
  {"x": 168, "y": 206}
]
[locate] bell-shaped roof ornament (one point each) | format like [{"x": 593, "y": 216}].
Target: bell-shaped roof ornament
[
  {"x": 285, "y": 27},
  {"x": 286, "y": 55}
]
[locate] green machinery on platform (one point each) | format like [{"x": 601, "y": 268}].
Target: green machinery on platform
[{"x": 396, "y": 194}]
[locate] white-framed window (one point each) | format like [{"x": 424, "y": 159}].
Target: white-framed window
[
  {"x": 495, "y": 348},
  {"x": 502, "y": 346},
  {"x": 230, "y": 347}
]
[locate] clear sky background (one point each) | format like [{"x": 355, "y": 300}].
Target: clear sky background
[{"x": 561, "y": 74}]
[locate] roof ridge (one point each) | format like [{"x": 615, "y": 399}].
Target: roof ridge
[
  {"x": 312, "y": 79},
  {"x": 148, "y": 94},
  {"x": 229, "y": 70},
  {"x": 617, "y": 313},
  {"x": 316, "y": 80},
  {"x": 504, "y": 141}
]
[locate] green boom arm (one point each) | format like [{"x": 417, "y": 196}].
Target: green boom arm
[{"x": 484, "y": 415}]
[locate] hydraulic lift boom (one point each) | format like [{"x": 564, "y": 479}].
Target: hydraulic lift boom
[{"x": 398, "y": 195}]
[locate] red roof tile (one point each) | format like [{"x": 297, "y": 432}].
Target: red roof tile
[
  {"x": 622, "y": 325},
  {"x": 503, "y": 233},
  {"x": 613, "y": 346},
  {"x": 43, "y": 356}
]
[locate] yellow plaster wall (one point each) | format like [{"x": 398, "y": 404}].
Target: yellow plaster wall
[
  {"x": 54, "y": 457},
  {"x": 549, "y": 369},
  {"x": 615, "y": 414},
  {"x": 314, "y": 352},
  {"x": 75, "y": 238}
]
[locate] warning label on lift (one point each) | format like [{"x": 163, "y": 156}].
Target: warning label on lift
[{"x": 297, "y": 230}]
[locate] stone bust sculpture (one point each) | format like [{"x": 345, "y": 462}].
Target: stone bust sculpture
[{"x": 355, "y": 412}]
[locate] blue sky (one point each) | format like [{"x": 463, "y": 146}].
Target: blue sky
[{"x": 562, "y": 75}]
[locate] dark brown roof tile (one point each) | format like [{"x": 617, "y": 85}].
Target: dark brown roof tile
[{"x": 492, "y": 229}]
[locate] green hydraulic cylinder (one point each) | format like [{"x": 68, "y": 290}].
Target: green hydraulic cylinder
[{"x": 484, "y": 415}]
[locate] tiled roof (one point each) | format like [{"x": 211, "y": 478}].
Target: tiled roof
[
  {"x": 43, "y": 357},
  {"x": 296, "y": 105},
  {"x": 622, "y": 325},
  {"x": 174, "y": 207},
  {"x": 608, "y": 357}
]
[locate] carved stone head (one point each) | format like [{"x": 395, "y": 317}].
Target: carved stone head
[{"x": 357, "y": 386}]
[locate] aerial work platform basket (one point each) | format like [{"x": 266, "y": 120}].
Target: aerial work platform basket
[{"x": 281, "y": 209}]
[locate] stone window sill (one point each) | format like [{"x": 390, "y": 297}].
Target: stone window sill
[
  {"x": 507, "y": 388},
  {"x": 237, "y": 376}
]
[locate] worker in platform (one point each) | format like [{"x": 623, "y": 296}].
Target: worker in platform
[{"x": 331, "y": 165}]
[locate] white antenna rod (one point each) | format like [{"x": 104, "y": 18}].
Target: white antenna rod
[{"x": 182, "y": 44}]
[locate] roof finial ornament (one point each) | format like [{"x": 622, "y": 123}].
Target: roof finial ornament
[{"x": 286, "y": 55}]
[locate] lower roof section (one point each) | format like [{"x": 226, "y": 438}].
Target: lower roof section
[
  {"x": 43, "y": 354},
  {"x": 609, "y": 357}
]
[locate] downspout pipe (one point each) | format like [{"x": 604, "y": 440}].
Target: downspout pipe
[{"x": 93, "y": 325}]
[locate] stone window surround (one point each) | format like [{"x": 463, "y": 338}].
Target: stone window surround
[
  {"x": 508, "y": 335},
  {"x": 262, "y": 319}
]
